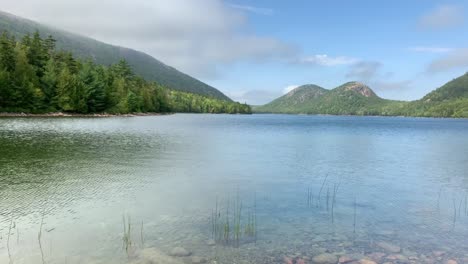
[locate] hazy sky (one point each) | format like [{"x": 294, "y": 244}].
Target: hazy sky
[{"x": 256, "y": 50}]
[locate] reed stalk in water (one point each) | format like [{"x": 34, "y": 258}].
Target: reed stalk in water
[
  {"x": 142, "y": 238},
  {"x": 215, "y": 215},
  {"x": 39, "y": 239},
  {"x": 226, "y": 225},
  {"x": 127, "y": 230},
  {"x": 321, "y": 188},
  {"x": 335, "y": 191},
  {"x": 250, "y": 227},
  {"x": 8, "y": 240},
  {"x": 354, "y": 216},
  {"x": 255, "y": 218},
  {"x": 230, "y": 229},
  {"x": 309, "y": 197},
  {"x": 237, "y": 220},
  {"x": 454, "y": 213},
  {"x": 438, "y": 199},
  {"x": 460, "y": 207},
  {"x": 466, "y": 204},
  {"x": 328, "y": 197}
]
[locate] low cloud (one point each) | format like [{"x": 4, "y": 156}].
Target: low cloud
[
  {"x": 253, "y": 9},
  {"x": 364, "y": 70},
  {"x": 254, "y": 97},
  {"x": 289, "y": 88},
  {"x": 325, "y": 60},
  {"x": 430, "y": 49},
  {"x": 453, "y": 60},
  {"x": 372, "y": 74},
  {"x": 442, "y": 17},
  {"x": 381, "y": 85},
  {"x": 197, "y": 37}
]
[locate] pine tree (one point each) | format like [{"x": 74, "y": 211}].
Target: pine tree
[
  {"x": 24, "y": 80},
  {"x": 7, "y": 52},
  {"x": 65, "y": 86},
  {"x": 49, "y": 45}
]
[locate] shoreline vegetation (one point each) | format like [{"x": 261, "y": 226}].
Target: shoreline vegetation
[
  {"x": 35, "y": 78},
  {"x": 64, "y": 114},
  {"x": 91, "y": 115}
]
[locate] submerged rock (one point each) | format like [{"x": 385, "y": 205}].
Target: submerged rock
[
  {"x": 367, "y": 261},
  {"x": 345, "y": 259},
  {"x": 377, "y": 256},
  {"x": 300, "y": 261},
  {"x": 287, "y": 260},
  {"x": 325, "y": 258},
  {"x": 438, "y": 253},
  {"x": 211, "y": 242},
  {"x": 389, "y": 247},
  {"x": 180, "y": 252},
  {"x": 397, "y": 257},
  {"x": 198, "y": 260},
  {"x": 154, "y": 256}
]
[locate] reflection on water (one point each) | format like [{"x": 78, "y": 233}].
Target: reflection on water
[{"x": 313, "y": 189}]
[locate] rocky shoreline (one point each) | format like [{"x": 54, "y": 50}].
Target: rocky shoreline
[
  {"x": 61, "y": 114},
  {"x": 387, "y": 255}
]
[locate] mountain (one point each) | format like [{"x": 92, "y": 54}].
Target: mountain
[
  {"x": 294, "y": 99},
  {"x": 455, "y": 89},
  {"x": 450, "y": 100},
  {"x": 352, "y": 98},
  {"x": 83, "y": 47}
]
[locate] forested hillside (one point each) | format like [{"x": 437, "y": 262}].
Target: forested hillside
[
  {"x": 35, "y": 78},
  {"x": 105, "y": 54},
  {"x": 351, "y": 98}
]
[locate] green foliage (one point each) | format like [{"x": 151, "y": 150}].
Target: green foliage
[
  {"x": 450, "y": 100},
  {"x": 35, "y": 78},
  {"x": 103, "y": 54},
  {"x": 193, "y": 103}
]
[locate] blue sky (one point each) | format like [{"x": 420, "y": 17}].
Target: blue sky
[
  {"x": 254, "y": 51},
  {"x": 394, "y": 42}
]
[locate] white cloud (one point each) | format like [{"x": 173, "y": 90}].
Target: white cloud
[
  {"x": 325, "y": 60},
  {"x": 453, "y": 60},
  {"x": 442, "y": 17},
  {"x": 371, "y": 72},
  {"x": 254, "y": 97},
  {"x": 430, "y": 49},
  {"x": 289, "y": 88},
  {"x": 364, "y": 70},
  {"x": 385, "y": 85},
  {"x": 197, "y": 37},
  {"x": 253, "y": 9}
]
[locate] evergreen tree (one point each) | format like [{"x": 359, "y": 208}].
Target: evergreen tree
[
  {"x": 35, "y": 78},
  {"x": 7, "y": 52}
]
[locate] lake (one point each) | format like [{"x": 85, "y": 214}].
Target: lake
[{"x": 233, "y": 189}]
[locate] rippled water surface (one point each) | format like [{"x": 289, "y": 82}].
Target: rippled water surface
[{"x": 293, "y": 187}]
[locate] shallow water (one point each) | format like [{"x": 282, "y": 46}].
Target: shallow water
[{"x": 402, "y": 181}]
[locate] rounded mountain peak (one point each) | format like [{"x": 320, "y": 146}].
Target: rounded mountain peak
[
  {"x": 359, "y": 88},
  {"x": 307, "y": 88}
]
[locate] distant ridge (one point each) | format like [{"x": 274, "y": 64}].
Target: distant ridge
[
  {"x": 106, "y": 54},
  {"x": 355, "y": 98},
  {"x": 352, "y": 98}
]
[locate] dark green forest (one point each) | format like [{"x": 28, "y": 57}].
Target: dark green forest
[
  {"x": 102, "y": 53},
  {"x": 36, "y": 78}
]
